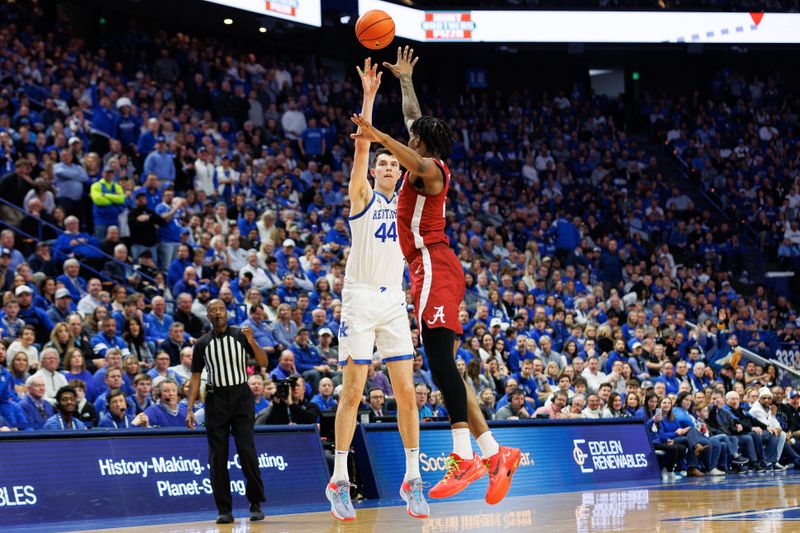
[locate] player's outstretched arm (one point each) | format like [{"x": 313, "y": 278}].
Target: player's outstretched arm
[
  {"x": 359, "y": 190},
  {"x": 422, "y": 167},
  {"x": 403, "y": 69}
]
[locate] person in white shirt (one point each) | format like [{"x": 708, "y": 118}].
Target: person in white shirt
[
  {"x": 792, "y": 233},
  {"x": 260, "y": 278},
  {"x": 293, "y": 121},
  {"x": 594, "y": 407},
  {"x": 204, "y": 173},
  {"x": 53, "y": 379},
  {"x": 237, "y": 256},
  {"x": 184, "y": 369},
  {"x": 594, "y": 378},
  {"x": 761, "y": 411},
  {"x": 227, "y": 177},
  {"x": 25, "y": 344},
  {"x": 91, "y": 301}
]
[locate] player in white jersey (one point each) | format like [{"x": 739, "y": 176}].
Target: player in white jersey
[{"x": 374, "y": 314}]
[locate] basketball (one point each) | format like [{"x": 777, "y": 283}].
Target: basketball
[{"x": 375, "y": 29}]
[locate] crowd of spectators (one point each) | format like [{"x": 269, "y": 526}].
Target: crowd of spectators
[
  {"x": 741, "y": 142},
  {"x": 151, "y": 177}
]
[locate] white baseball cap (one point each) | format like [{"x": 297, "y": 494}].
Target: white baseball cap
[{"x": 288, "y": 242}]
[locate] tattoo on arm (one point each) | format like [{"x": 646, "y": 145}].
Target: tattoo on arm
[{"x": 411, "y": 110}]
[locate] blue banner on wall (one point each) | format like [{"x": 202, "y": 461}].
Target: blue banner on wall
[
  {"x": 82, "y": 477},
  {"x": 557, "y": 456}
]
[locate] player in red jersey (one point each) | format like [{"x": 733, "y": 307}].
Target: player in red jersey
[{"x": 438, "y": 286}]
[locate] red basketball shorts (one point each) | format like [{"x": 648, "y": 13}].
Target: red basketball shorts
[{"x": 437, "y": 286}]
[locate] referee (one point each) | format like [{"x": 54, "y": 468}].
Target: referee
[{"x": 229, "y": 407}]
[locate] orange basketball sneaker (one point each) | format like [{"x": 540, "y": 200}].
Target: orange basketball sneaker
[
  {"x": 460, "y": 473},
  {"x": 501, "y": 466}
]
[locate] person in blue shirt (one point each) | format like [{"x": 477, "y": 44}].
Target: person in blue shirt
[
  {"x": 160, "y": 162},
  {"x": 147, "y": 140},
  {"x": 256, "y": 384},
  {"x": 312, "y": 140},
  {"x": 617, "y": 354},
  {"x": 668, "y": 378},
  {"x": 169, "y": 235},
  {"x": 681, "y": 430},
  {"x": 112, "y": 380},
  {"x": 74, "y": 283},
  {"x": 65, "y": 419},
  {"x": 422, "y": 393},
  {"x": 151, "y": 191},
  {"x": 119, "y": 415},
  {"x": 287, "y": 292},
  {"x": 9, "y": 409},
  {"x": 157, "y": 322},
  {"x": 108, "y": 338},
  {"x": 33, "y": 316},
  {"x": 339, "y": 235},
  {"x": 510, "y": 386},
  {"x": 261, "y": 330},
  {"x": 285, "y": 367},
  {"x": 567, "y": 238},
  {"x": 167, "y": 412},
  {"x": 35, "y": 408},
  {"x": 178, "y": 266},
  {"x": 161, "y": 368},
  {"x": 324, "y": 398},
  {"x": 248, "y": 222},
  {"x": 128, "y": 125},
  {"x": 519, "y": 353},
  {"x": 309, "y": 363},
  {"x": 283, "y": 255},
  {"x": 526, "y": 381}
]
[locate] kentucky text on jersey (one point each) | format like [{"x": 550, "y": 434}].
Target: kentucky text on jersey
[{"x": 384, "y": 214}]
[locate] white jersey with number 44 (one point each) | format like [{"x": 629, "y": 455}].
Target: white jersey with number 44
[{"x": 375, "y": 256}]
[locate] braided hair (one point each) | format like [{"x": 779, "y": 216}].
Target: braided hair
[{"x": 436, "y": 134}]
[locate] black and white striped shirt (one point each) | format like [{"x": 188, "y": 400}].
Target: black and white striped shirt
[{"x": 224, "y": 355}]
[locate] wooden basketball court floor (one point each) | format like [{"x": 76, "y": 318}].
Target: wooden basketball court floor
[{"x": 753, "y": 503}]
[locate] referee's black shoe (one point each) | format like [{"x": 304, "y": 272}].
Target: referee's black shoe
[
  {"x": 224, "y": 518},
  {"x": 256, "y": 513}
]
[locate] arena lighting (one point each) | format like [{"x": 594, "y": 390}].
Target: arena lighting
[
  {"x": 227, "y": 22},
  {"x": 301, "y": 11},
  {"x": 344, "y": 19},
  {"x": 262, "y": 29}
]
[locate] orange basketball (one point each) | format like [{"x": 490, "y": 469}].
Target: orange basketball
[{"x": 375, "y": 29}]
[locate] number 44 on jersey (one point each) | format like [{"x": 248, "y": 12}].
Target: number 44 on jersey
[{"x": 387, "y": 231}]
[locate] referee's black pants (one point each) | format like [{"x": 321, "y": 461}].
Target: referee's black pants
[{"x": 231, "y": 411}]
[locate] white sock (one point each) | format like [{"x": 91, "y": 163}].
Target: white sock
[
  {"x": 340, "y": 466},
  {"x": 461, "y": 444},
  {"x": 412, "y": 463},
  {"x": 488, "y": 445}
]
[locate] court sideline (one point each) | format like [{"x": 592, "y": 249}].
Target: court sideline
[{"x": 768, "y": 503}]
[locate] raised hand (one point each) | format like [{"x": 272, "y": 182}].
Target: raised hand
[
  {"x": 405, "y": 62},
  {"x": 370, "y": 77},
  {"x": 366, "y": 131}
]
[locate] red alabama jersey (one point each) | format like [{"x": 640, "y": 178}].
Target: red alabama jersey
[{"x": 421, "y": 217}]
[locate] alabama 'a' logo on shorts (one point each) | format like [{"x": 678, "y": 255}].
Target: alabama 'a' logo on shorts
[{"x": 437, "y": 316}]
